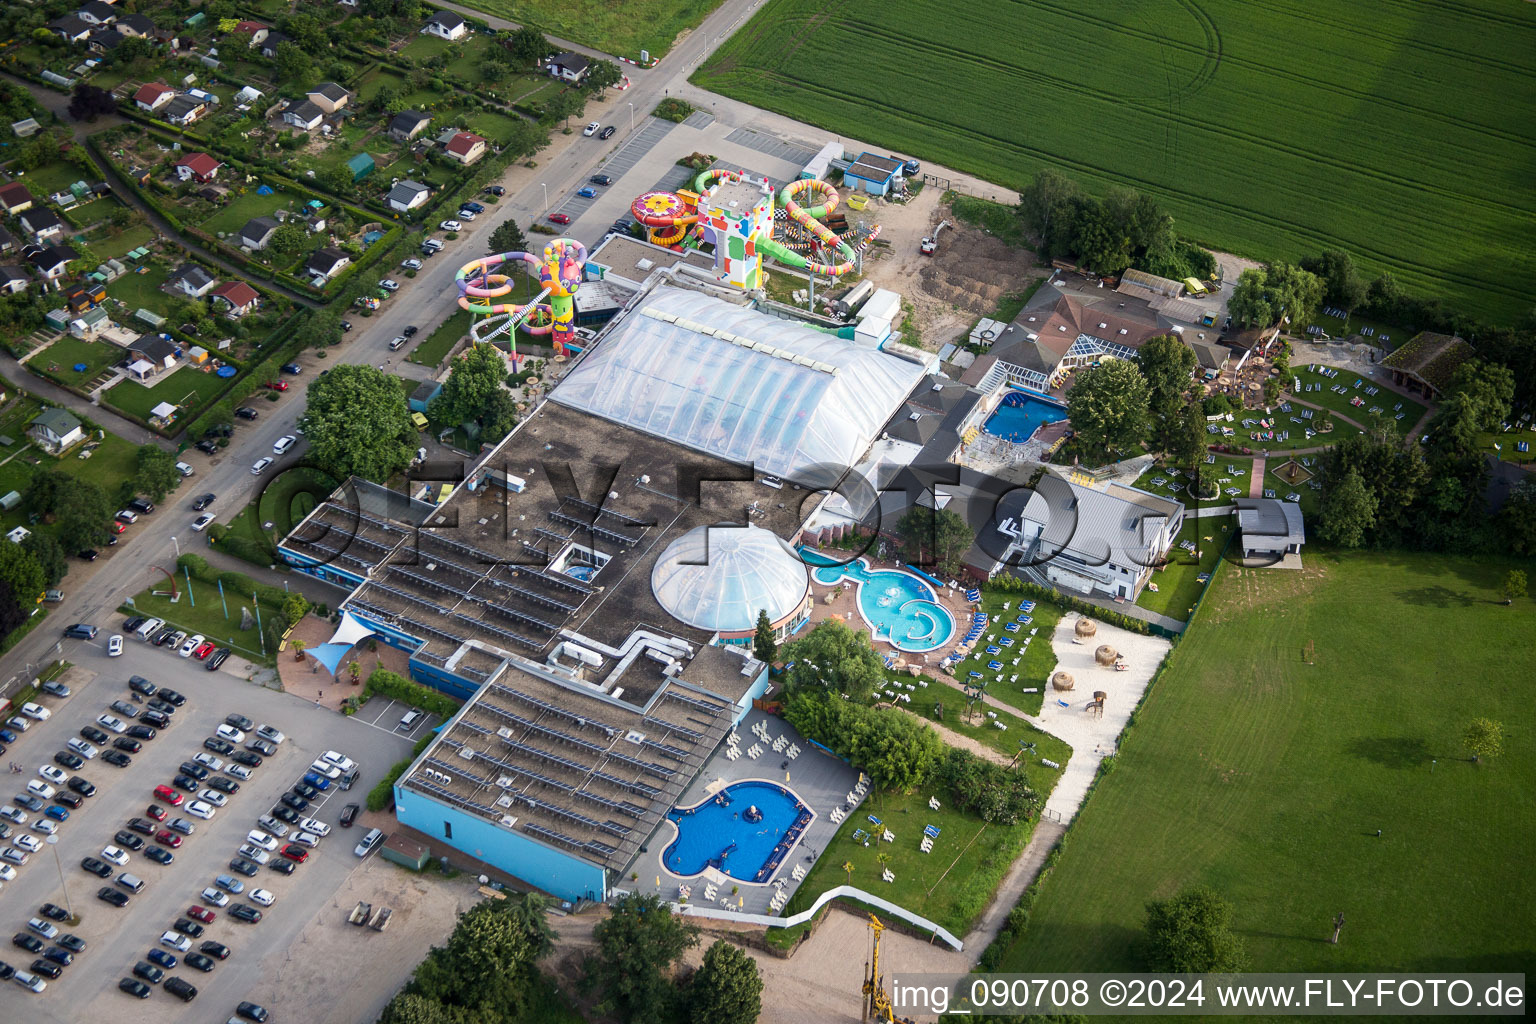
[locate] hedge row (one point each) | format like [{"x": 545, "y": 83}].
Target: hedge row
[
  {"x": 398, "y": 687},
  {"x": 1014, "y": 585}
]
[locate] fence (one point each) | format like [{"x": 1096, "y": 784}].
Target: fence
[{"x": 848, "y": 891}]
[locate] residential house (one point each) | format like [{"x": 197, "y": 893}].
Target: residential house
[
  {"x": 41, "y": 223},
  {"x": 252, "y": 33},
  {"x": 1425, "y": 364},
  {"x": 257, "y": 232},
  {"x": 312, "y": 219},
  {"x": 465, "y": 147},
  {"x": 197, "y": 166},
  {"x": 569, "y": 67},
  {"x": 71, "y": 28},
  {"x": 13, "y": 280},
  {"x": 407, "y": 195},
  {"x": 329, "y": 97},
  {"x": 90, "y": 323},
  {"x": 136, "y": 26},
  {"x": 446, "y": 25},
  {"x": 103, "y": 40},
  {"x": 50, "y": 262},
  {"x": 192, "y": 280},
  {"x": 184, "y": 110},
  {"x": 152, "y": 96},
  {"x": 7, "y": 240},
  {"x": 269, "y": 47},
  {"x": 408, "y": 124},
  {"x": 325, "y": 264},
  {"x": 238, "y": 296},
  {"x": 56, "y": 430},
  {"x": 167, "y": 37},
  {"x": 97, "y": 13},
  {"x": 151, "y": 354},
  {"x": 16, "y": 197},
  {"x": 304, "y": 115}
]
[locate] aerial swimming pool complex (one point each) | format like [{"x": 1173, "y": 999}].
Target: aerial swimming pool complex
[
  {"x": 745, "y": 831},
  {"x": 900, "y": 607},
  {"x": 1020, "y": 415}
]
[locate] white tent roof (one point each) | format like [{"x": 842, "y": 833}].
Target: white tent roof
[
  {"x": 350, "y": 631},
  {"x": 164, "y": 410},
  {"x": 741, "y": 385},
  {"x": 141, "y": 366},
  {"x": 720, "y": 577}
]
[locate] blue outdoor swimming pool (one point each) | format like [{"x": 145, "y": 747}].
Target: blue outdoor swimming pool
[
  {"x": 716, "y": 834},
  {"x": 1020, "y": 415},
  {"x": 900, "y": 608}
]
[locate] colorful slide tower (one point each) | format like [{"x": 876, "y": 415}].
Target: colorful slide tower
[
  {"x": 559, "y": 273},
  {"x": 736, "y": 216}
]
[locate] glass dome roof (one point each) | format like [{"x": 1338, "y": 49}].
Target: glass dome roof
[
  {"x": 720, "y": 577},
  {"x": 741, "y": 385}
]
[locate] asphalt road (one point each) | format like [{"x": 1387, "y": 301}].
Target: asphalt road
[{"x": 119, "y": 938}]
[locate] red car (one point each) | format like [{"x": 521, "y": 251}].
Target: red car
[
  {"x": 203, "y": 651},
  {"x": 155, "y": 811},
  {"x": 165, "y": 794},
  {"x": 559, "y": 218},
  {"x": 168, "y": 838},
  {"x": 119, "y": 527},
  {"x": 276, "y": 385},
  {"x": 295, "y": 853},
  {"x": 201, "y": 914}
]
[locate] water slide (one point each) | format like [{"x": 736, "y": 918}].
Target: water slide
[
  {"x": 670, "y": 215},
  {"x": 559, "y": 273},
  {"x": 810, "y": 220}
]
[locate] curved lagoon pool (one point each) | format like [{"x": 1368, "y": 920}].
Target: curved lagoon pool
[
  {"x": 716, "y": 833},
  {"x": 900, "y": 608}
]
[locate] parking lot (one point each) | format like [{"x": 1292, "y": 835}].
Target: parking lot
[{"x": 118, "y": 938}]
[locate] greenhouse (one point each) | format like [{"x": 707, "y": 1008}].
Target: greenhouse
[{"x": 741, "y": 385}]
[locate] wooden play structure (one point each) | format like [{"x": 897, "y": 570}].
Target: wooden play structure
[{"x": 1096, "y": 706}]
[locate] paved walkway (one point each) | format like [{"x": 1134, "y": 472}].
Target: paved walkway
[
  {"x": 107, "y": 417},
  {"x": 1026, "y": 868},
  {"x": 1256, "y": 478}
]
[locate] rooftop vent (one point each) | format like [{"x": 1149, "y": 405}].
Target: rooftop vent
[
  {"x": 635, "y": 737},
  {"x": 504, "y": 732},
  {"x": 1124, "y": 331},
  {"x": 509, "y": 820},
  {"x": 466, "y": 753},
  {"x": 505, "y": 800}
]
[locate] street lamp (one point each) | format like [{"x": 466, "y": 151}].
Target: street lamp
[
  {"x": 53, "y": 841},
  {"x": 631, "y": 117},
  {"x": 546, "y": 194},
  {"x": 178, "y": 546}
]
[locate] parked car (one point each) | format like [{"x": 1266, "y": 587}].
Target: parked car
[
  {"x": 494, "y": 190},
  {"x": 559, "y": 218},
  {"x": 472, "y": 207},
  {"x": 349, "y": 815},
  {"x": 607, "y": 133},
  {"x": 81, "y": 631},
  {"x": 207, "y": 447},
  {"x": 591, "y": 129},
  {"x": 284, "y": 443},
  {"x": 587, "y": 192},
  {"x": 245, "y": 412},
  {"x": 600, "y": 179},
  {"x": 292, "y": 369},
  {"x": 245, "y": 912},
  {"x": 369, "y": 841},
  {"x": 218, "y": 658},
  {"x": 410, "y": 331},
  {"x": 451, "y": 225},
  {"x": 115, "y": 645},
  {"x": 260, "y": 465},
  {"x": 389, "y": 285},
  {"x": 346, "y": 325},
  {"x": 412, "y": 264}
]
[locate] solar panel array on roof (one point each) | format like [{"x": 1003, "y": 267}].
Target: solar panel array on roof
[{"x": 592, "y": 528}]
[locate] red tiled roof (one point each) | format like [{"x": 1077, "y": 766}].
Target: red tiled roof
[
  {"x": 149, "y": 93},
  {"x": 248, "y": 27},
  {"x": 200, "y": 164},
  {"x": 238, "y": 293},
  {"x": 16, "y": 194},
  {"x": 463, "y": 142}
]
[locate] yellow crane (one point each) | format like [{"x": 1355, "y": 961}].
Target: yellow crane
[{"x": 876, "y": 1003}]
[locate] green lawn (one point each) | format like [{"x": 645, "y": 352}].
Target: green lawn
[
  {"x": 375, "y": 80},
  {"x": 201, "y": 610},
  {"x": 140, "y": 291},
  {"x": 60, "y": 358},
  {"x": 620, "y": 29},
  {"x": 1178, "y": 584},
  {"x": 1036, "y": 661},
  {"x": 1388, "y": 336},
  {"x": 435, "y": 349},
  {"x": 1508, "y": 442},
  {"x": 52, "y": 177},
  {"x": 1386, "y": 400},
  {"x": 1263, "y": 129},
  {"x": 233, "y": 216},
  {"x": 111, "y": 463},
  {"x": 117, "y": 246},
  {"x": 285, "y": 501},
  {"x": 1267, "y": 778},
  {"x": 188, "y": 387}
]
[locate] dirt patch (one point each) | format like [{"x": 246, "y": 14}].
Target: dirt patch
[{"x": 962, "y": 282}]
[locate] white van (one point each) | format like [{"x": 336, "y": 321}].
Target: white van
[
  {"x": 145, "y": 631},
  {"x": 408, "y": 720}
]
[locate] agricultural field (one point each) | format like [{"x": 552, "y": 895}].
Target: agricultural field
[
  {"x": 620, "y": 29},
  {"x": 1266, "y": 130},
  {"x": 1264, "y": 772}
]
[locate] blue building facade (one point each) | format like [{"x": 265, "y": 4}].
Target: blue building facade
[{"x": 872, "y": 173}]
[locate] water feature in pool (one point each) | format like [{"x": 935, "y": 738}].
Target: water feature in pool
[
  {"x": 899, "y": 607},
  {"x": 1020, "y": 415},
  {"x": 716, "y": 833}
]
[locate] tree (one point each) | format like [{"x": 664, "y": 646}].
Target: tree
[
  {"x": 562, "y": 106},
  {"x": 357, "y": 422},
  {"x": 1249, "y": 305},
  {"x": 293, "y": 65},
  {"x": 1167, "y": 364},
  {"x": 897, "y": 751},
  {"x": 1483, "y": 737},
  {"x": 474, "y": 378},
  {"x": 726, "y": 987},
  {"x": 1514, "y": 586},
  {"x": 764, "y": 647},
  {"x": 1108, "y": 407},
  {"x": 1187, "y": 439},
  {"x": 20, "y": 571},
  {"x": 526, "y": 45},
  {"x": 287, "y": 241},
  {"x": 1045, "y": 204},
  {"x": 602, "y": 74},
  {"x": 1191, "y": 933},
  {"x": 337, "y": 179},
  {"x": 89, "y": 101},
  {"x": 1261, "y": 297},
  {"x": 1348, "y": 511},
  {"x": 82, "y": 510},
  {"x": 156, "y": 474},
  {"x": 836, "y": 657},
  {"x": 636, "y": 947},
  {"x": 1342, "y": 284},
  {"x": 508, "y": 237},
  {"x": 295, "y": 607},
  {"x": 938, "y": 538},
  {"x": 1489, "y": 390},
  {"x": 1516, "y": 521},
  {"x": 49, "y": 554},
  {"x": 306, "y": 30},
  {"x": 409, "y": 1008}
]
